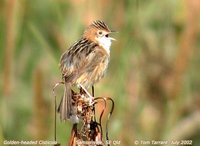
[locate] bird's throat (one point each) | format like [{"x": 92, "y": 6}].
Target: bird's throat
[{"x": 105, "y": 43}]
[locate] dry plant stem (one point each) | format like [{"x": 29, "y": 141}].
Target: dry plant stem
[
  {"x": 102, "y": 112},
  {"x": 110, "y": 113},
  {"x": 90, "y": 129},
  {"x": 55, "y": 111},
  {"x": 9, "y": 46},
  {"x": 73, "y": 137}
]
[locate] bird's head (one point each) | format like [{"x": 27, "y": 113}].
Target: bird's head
[{"x": 99, "y": 32}]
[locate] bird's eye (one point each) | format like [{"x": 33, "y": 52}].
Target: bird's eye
[
  {"x": 107, "y": 35},
  {"x": 100, "y": 32}
]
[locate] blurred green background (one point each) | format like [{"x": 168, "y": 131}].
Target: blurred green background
[{"x": 153, "y": 75}]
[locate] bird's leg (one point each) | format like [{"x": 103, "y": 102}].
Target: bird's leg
[
  {"x": 93, "y": 90},
  {"x": 93, "y": 105},
  {"x": 89, "y": 95},
  {"x": 81, "y": 91}
]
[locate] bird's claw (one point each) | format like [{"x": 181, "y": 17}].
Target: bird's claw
[
  {"x": 91, "y": 101},
  {"x": 89, "y": 98}
]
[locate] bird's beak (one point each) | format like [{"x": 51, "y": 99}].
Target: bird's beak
[
  {"x": 112, "y": 39},
  {"x": 113, "y": 31}
]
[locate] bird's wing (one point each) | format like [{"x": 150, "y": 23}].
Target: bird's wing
[{"x": 80, "y": 58}]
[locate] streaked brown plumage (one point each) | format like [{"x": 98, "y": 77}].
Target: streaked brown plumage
[{"x": 85, "y": 62}]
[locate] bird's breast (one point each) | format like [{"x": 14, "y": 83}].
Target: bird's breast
[{"x": 90, "y": 77}]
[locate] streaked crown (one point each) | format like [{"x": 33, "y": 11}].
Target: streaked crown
[
  {"x": 92, "y": 31},
  {"x": 98, "y": 24}
]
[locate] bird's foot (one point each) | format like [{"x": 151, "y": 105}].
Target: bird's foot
[{"x": 90, "y": 98}]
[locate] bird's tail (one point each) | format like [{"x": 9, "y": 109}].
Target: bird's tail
[{"x": 66, "y": 103}]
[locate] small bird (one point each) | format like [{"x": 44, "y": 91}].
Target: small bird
[{"x": 84, "y": 63}]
